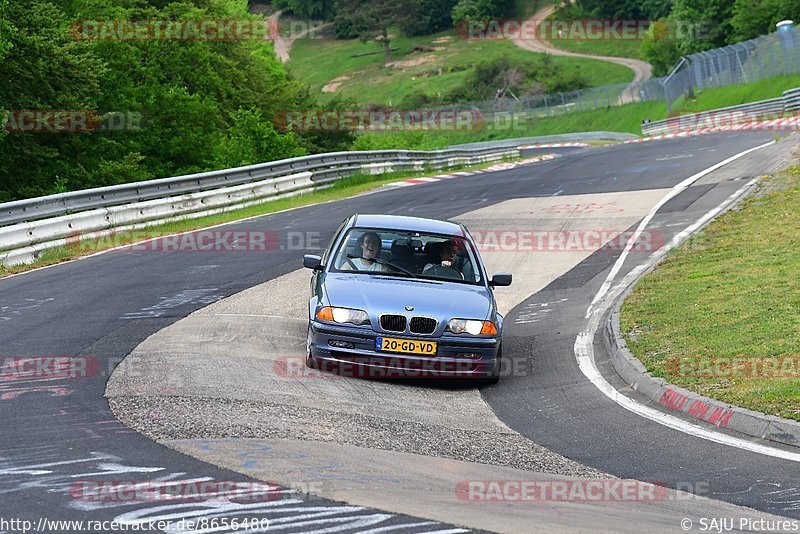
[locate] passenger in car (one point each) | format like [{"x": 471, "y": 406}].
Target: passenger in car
[{"x": 441, "y": 253}]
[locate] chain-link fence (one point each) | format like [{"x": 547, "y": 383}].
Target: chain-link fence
[
  {"x": 770, "y": 55},
  {"x": 749, "y": 61}
]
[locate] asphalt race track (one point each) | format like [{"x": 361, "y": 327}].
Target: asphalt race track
[{"x": 57, "y": 431}]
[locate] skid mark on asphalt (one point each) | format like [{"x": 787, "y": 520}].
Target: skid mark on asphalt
[
  {"x": 16, "y": 307},
  {"x": 137, "y": 495},
  {"x": 536, "y": 311},
  {"x": 185, "y": 297}
]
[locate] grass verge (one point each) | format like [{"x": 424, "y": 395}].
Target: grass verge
[
  {"x": 721, "y": 315},
  {"x": 346, "y": 187},
  {"x": 627, "y": 118}
]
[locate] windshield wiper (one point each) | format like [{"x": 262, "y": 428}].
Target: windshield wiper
[{"x": 381, "y": 262}]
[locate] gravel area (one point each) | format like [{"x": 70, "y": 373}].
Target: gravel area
[{"x": 162, "y": 418}]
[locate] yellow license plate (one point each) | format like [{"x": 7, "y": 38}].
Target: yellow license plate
[{"x": 407, "y": 346}]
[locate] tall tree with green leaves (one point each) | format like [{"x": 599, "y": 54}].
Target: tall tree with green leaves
[
  {"x": 752, "y": 18},
  {"x": 370, "y": 20},
  {"x": 5, "y": 45},
  {"x": 713, "y": 17},
  {"x": 205, "y": 104}
]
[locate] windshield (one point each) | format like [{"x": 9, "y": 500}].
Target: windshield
[{"x": 408, "y": 254}]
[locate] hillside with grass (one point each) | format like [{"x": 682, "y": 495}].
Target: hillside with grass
[{"x": 430, "y": 64}]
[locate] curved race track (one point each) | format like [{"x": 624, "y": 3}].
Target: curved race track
[{"x": 58, "y": 431}]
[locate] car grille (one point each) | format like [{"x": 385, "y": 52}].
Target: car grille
[
  {"x": 423, "y": 325},
  {"x": 393, "y": 323}
]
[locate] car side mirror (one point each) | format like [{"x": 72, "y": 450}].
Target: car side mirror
[
  {"x": 312, "y": 262},
  {"x": 500, "y": 280}
]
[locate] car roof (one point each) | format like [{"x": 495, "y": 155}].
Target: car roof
[{"x": 414, "y": 224}]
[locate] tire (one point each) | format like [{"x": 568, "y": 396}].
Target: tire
[
  {"x": 310, "y": 363},
  {"x": 494, "y": 378}
]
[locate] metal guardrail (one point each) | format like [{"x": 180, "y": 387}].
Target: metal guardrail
[
  {"x": 791, "y": 100},
  {"x": 29, "y": 226},
  {"x": 76, "y": 201},
  {"x": 762, "y": 110},
  {"x": 558, "y": 138}
]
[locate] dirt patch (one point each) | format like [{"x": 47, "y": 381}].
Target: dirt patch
[
  {"x": 421, "y": 60},
  {"x": 334, "y": 85},
  {"x": 427, "y": 49},
  {"x": 445, "y": 39}
]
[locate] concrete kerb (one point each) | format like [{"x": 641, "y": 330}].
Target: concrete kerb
[{"x": 704, "y": 410}]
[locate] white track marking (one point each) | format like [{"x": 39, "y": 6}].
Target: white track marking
[
  {"x": 678, "y": 189},
  {"x": 584, "y": 348}
]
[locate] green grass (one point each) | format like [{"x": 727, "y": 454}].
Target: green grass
[
  {"x": 318, "y": 61},
  {"x": 738, "y": 94},
  {"x": 342, "y": 188},
  {"x": 631, "y": 48},
  {"x": 731, "y": 292},
  {"x": 620, "y": 119}
]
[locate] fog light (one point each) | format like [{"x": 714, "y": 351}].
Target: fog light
[
  {"x": 341, "y": 344},
  {"x": 470, "y": 355}
]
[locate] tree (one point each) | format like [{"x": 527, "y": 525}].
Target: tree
[
  {"x": 712, "y": 16},
  {"x": 619, "y": 9},
  {"x": 659, "y": 48},
  {"x": 5, "y": 45},
  {"x": 314, "y": 9},
  {"x": 204, "y": 104},
  {"x": 431, "y": 16},
  {"x": 752, "y": 18},
  {"x": 466, "y": 10},
  {"x": 370, "y": 20}
]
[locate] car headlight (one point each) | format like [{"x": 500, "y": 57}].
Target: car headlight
[
  {"x": 343, "y": 315},
  {"x": 471, "y": 326}
]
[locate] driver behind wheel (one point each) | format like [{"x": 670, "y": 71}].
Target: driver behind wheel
[{"x": 370, "y": 246}]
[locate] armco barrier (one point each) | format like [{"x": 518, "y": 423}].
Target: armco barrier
[
  {"x": 772, "y": 108},
  {"x": 791, "y": 101},
  {"x": 29, "y": 226},
  {"x": 557, "y": 138}
]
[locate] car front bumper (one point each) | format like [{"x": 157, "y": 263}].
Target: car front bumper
[{"x": 350, "y": 351}]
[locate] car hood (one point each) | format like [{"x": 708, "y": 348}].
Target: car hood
[{"x": 385, "y": 294}]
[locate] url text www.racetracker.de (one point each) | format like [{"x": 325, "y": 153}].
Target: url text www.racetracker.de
[{"x": 204, "y": 524}]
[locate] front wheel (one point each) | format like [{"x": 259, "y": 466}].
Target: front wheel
[
  {"x": 495, "y": 377},
  {"x": 310, "y": 363}
]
